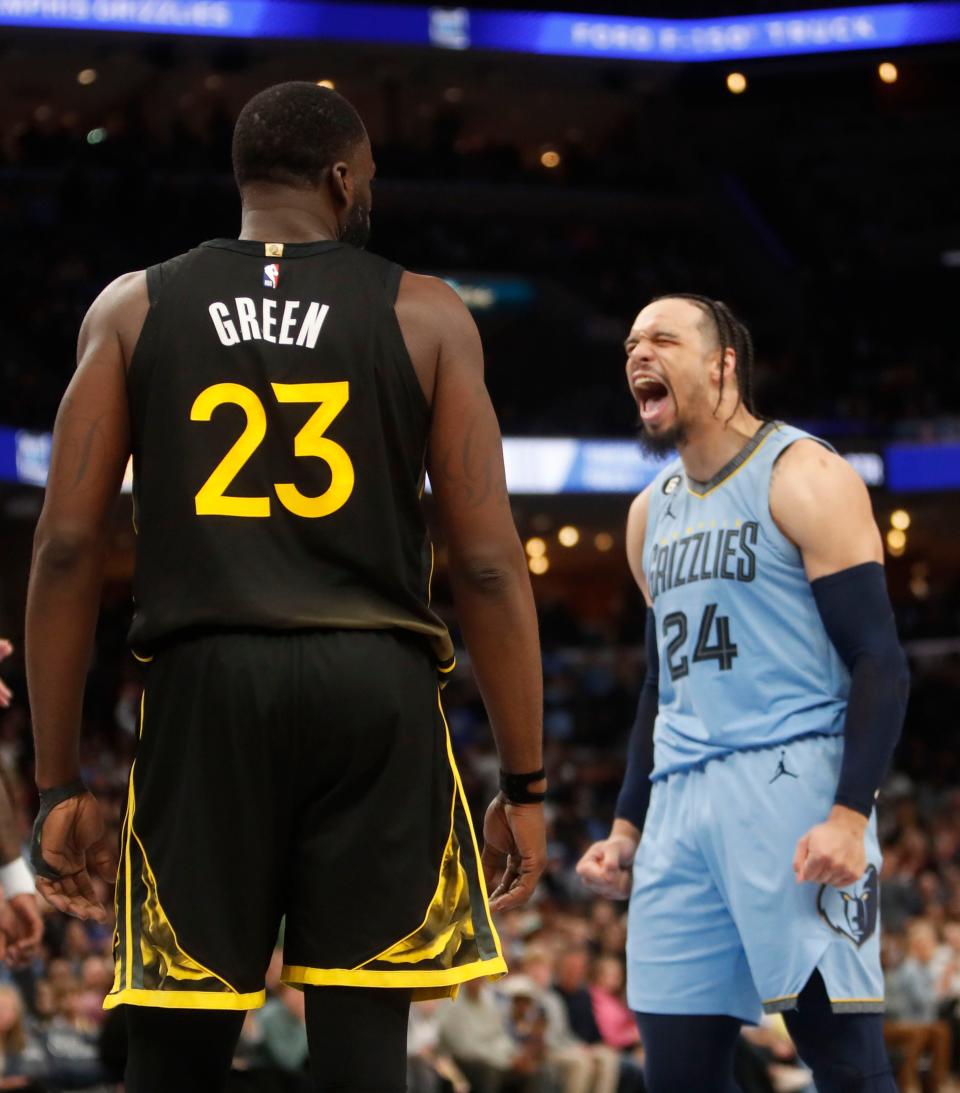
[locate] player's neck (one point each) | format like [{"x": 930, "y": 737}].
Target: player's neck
[
  {"x": 285, "y": 214},
  {"x": 712, "y": 443}
]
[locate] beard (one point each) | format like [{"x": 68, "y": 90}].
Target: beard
[
  {"x": 662, "y": 443},
  {"x": 356, "y": 230}
]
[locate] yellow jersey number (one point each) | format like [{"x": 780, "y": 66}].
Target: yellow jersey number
[{"x": 212, "y": 499}]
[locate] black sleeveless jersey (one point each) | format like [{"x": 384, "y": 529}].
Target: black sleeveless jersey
[{"x": 278, "y": 434}]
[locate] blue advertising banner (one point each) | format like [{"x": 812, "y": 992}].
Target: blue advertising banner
[
  {"x": 923, "y": 467},
  {"x": 559, "y": 33}
]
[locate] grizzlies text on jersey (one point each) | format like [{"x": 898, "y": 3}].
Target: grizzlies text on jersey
[{"x": 745, "y": 661}]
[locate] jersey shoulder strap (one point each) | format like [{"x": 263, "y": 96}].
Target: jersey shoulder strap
[
  {"x": 162, "y": 272},
  {"x": 386, "y": 272},
  {"x": 780, "y": 437}
]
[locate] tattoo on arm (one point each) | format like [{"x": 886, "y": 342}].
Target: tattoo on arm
[
  {"x": 472, "y": 466},
  {"x": 85, "y": 450}
]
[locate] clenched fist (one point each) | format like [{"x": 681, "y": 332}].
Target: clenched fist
[
  {"x": 607, "y": 867},
  {"x": 833, "y": 852}
]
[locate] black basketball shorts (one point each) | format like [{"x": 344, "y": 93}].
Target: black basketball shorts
[{"x": 305, "y": 775}]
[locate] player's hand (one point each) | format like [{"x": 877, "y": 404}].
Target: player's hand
[
  {"x": 6, "y": 695},
  {"x": 24, "y": 928},
  {"x": 833, "y": 852},
  {"x": 514, "y": 852},
  {"x": 607, "y": 867},
  {"x": 73, "y": 843}
]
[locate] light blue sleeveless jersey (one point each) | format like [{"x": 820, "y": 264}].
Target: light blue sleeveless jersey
[{"x": 745, "y": 661}]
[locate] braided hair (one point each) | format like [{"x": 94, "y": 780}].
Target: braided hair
[{"x": 731, "y": 334}]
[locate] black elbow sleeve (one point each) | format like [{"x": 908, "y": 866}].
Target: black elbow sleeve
[{"x": 634, "y": 795}]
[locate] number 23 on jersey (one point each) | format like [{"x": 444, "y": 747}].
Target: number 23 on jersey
[{"x": 212, "y": 498}]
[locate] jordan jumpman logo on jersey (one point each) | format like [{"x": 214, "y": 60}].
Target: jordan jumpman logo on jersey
[{"x": 781, "y": 770}]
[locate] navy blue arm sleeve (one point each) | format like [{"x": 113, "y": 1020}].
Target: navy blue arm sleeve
[
  {"x": 855, "y": 608},
  {"x": 635, "y": 792}
]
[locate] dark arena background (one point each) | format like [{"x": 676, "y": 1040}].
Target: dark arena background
[{"x": 559, "y": 168}]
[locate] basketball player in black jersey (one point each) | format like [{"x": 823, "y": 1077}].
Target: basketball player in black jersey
[{"x": 282, "y": 395}]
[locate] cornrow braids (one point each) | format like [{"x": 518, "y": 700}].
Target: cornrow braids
[{"x": 731, "y": 334}]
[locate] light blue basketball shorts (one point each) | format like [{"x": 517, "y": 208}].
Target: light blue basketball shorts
[{"x": 717, "y": 921}]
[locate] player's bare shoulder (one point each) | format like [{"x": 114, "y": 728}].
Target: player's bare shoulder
[
  {"x": 432, "y": 317},
  {"x": 809, "y": 476},
  {"x": 636, "y": 532},
  {"x": 119, "y": 311},
  {"x": 822, "y": 505}
]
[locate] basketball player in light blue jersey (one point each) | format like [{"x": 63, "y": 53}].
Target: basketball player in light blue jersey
[{"x": 774, "y": 697}]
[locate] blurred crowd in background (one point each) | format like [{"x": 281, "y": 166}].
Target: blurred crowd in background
[{"x": 559, "y": 1022}]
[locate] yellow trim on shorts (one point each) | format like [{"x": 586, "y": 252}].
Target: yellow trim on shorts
[
  {"x": 437, "y": 898},
  {"x": 838, "y": 1000},
  {"x": 780, "y": 998},
  {"x": 425, "y": 982},
  {"x": 228, "y": 999},
  {"x": 192, "y": 1000},
  {"x": 473, "y": 835},
  {"x": 297, "y": 976},
  {"x": 723, "y": 482}
]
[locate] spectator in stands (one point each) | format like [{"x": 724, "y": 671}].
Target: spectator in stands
[
  {"x": 474, "y": 1032},
  {"x": 618, "y": 1028},
  {"x": 283, "y": 1031},
  {"x": 427, "y": 1066},
  {"x": 572, "y": 984},
  {"x": 912, "y": 1029},
  {"x": 72, "y": 1042},
  {"x": 946, "y": 965},
  {"x": 899, "y": 898},
  {"x": 581, "y": 1067},
  {"x": 21, "y": 1051},
  {"x": 96, "y": 979},
  {"x": 770, "y": 1043}
]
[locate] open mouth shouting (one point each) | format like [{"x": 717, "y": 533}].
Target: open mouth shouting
[{"x": 652, "y": 395}]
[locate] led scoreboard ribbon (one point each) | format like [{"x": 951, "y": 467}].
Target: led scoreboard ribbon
[
  {"x": 822, "y": 31},
  {"x": 551, "y": 465}
]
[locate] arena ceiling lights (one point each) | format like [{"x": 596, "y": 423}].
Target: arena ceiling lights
[{"x": 554, "y": 33}]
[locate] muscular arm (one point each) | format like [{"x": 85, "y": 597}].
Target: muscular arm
[
  {"x": 487, "y": 564},
  {"x": 90, "y": 451},
  {"x": 821, "y": 505}
]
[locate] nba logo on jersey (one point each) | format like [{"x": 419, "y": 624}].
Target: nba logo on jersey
[{"x": 271, "y": 275}]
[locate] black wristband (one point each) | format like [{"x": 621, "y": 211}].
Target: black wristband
[
  {"x": 514, "y": 787},
  {"x": 49, "y": 799}
]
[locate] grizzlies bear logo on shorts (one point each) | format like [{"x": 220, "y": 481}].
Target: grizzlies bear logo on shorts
[{"x": 853, "y": 914}]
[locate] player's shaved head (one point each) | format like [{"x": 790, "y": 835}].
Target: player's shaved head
[{"x": 292, "y": 133}]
